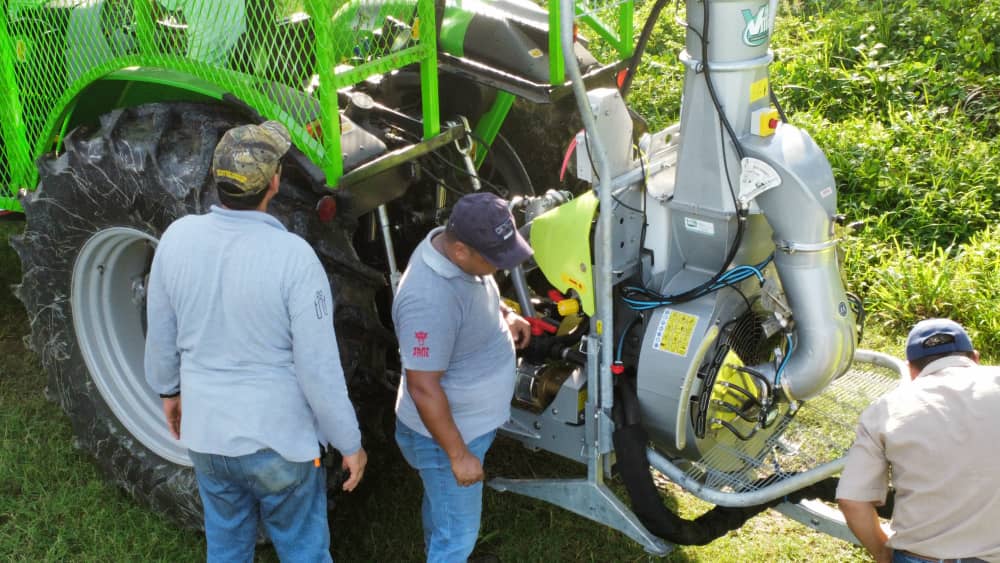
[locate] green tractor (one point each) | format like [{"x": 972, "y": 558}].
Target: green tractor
[
  {"x": 119, "y": 104},
  {"x": 686, "y": 282}
]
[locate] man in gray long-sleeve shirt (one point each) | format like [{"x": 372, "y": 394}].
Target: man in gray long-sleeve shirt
[{"x": 240, "y": 326}]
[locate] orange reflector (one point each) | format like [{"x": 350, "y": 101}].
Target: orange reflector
[
  {"x": 326, "y": 208},
  {"x": 620, "y": 79}
]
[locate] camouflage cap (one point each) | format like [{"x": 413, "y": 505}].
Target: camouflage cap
[{"x": 247, "y": 157}]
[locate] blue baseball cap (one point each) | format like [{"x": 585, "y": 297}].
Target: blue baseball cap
[
  {"x": 483, "y": 221},
  {"x": 931, "y": 337}
]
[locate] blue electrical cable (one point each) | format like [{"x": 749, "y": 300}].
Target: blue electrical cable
[
  {"x": 621, "y": 338},
  {"x": 784, "y": 361},
  {"x": 643, "y": 299}
]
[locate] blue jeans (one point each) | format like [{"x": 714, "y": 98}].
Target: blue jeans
[
  {"x": 900, "y": 557},
  {"x": 450, "y": 512},
  {"x": 289, "y": 497}
]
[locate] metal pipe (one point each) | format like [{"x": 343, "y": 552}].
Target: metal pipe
[
  {"x": 824, "y": 326},
  {"x": 390, "y": 254},
  {"x": 883, "y": 360},
  {"x": 760, "y": 496},
  {"x": 521, "y": 290},
  {"x": 800, "y": 207},
  {"x": 603, "y": 324}
]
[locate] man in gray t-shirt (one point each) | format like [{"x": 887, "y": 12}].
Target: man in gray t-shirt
[{"x": 456, "y": 343}]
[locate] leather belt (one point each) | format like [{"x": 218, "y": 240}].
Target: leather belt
[{"x": 939, "y": 560}]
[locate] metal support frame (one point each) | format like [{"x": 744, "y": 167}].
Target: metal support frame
[
  {"x": 590, "y": 497},
  {"x": 820, "y": 517},
  {"x": 390, "y": 254},
  {"x": 489, "y": 124}
]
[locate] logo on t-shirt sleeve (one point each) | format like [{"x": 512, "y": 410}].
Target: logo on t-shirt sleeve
[
  {"x": 320, "y": 303},
  {"x": 421, "y": 350}
]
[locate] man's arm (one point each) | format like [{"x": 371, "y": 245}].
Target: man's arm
[
  {"x": 864, "y": 483},
  {"x": 162, "y": 361},
  {"x": 318, "y": 368},
  {"x": 435, "y": 412},
  {"x": 863, "y": 521}
]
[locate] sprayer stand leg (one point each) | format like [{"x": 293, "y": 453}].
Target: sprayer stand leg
[{"x": 590, "y": 500}]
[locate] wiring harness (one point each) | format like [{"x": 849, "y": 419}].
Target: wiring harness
[{"x": 643, "y": 299}]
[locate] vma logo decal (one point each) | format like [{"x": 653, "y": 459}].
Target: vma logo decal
[
  {"x": 421, "y": 350},
  {"x": 756, "y": 31}
]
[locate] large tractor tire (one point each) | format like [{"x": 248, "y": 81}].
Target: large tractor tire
[{"x": 92, "y": 227}]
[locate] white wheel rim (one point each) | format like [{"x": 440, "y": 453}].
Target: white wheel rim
[{"x": 108, "y": 302}]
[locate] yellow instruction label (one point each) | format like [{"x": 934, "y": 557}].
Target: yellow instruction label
[
  {"x": 758, "y": 90},
  {"x": 674, "y": 332},
  {"x": 576, "y": 284}
]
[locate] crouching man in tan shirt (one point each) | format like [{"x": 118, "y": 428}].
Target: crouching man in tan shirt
[{"x": 938, "y": 436}]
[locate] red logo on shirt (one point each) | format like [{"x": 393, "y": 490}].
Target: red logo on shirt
[{"x": 421, "y": 350}]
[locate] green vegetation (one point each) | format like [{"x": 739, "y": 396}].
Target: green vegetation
[{"x": 904, "y": 96}]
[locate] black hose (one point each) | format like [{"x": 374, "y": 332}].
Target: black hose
[
  {"x": 640, "y": 46},
  {"x": 777, "y": 105},
  {"x": 706, "y": 70}
]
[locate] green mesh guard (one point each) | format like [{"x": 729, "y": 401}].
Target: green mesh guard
[
  {"x": 263, "y": 52},
  {"x": 284, "y": 58}
]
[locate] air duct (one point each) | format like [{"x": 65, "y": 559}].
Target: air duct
[{"x": 788, "y": 176}]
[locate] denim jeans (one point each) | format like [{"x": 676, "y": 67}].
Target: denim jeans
[
  {"x": 288, "y": 497},
  {"x": 450, "y": 512}
]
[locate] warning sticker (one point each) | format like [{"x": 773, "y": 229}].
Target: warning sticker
[
  {"x": 699, "y": 226},
  {"x": 674, "y": 332},
  {"x": 758, "y": 90}
]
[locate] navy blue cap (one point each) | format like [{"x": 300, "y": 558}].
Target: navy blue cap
[
  {"x": 931, "y": 337},
  {"x": 484, "y": 222}
]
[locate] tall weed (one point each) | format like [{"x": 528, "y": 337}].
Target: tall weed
[{"x": 903, "y": 285}]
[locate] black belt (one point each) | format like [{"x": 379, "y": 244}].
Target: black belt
[{"x": 940, "y": 560}]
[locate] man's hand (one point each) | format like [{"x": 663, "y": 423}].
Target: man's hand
[
  {"x": 520, "y": 329},
  {"x": 467, "y": 469},
  {"x": 435, "y": 412},
  {"x": 355, "y": 464},
  {"x": 172, "y": 410}
]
